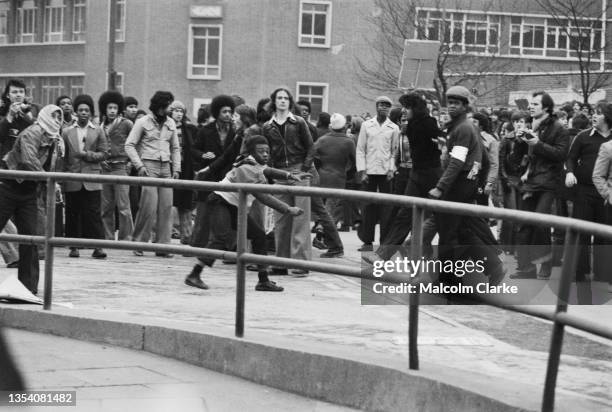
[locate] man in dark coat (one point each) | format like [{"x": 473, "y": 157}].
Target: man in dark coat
[
  {"x": 546, "y": 148},
  {"x": 210, "y": 142}
]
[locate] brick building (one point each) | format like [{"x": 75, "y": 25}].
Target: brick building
[
  {"x": 194, "y": 48},
  {"x": 200, "y": 48}
]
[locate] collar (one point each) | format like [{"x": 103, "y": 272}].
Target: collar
[
  {"x": 595, "y": 131},
  {"x": 89, "y": 124},
  {"x": 169, "y": 123},
  {"x": 290, "y": 117}
]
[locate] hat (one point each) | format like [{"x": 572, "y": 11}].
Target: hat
[
  {"x": 384, "y": 99},
  {"x": 177, "y": 105},
  {"x": 337, "y": 121},
  {"x": 459, "y": 92},
  {"x": 131, "y": 101}
]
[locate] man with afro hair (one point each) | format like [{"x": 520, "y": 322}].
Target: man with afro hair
[
  {"x": 210, "y": 143},
  {"x": 117, "y": 128},
  {"x": 154, "y": 150}
]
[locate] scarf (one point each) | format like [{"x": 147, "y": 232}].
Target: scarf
[{"x": 46, "y": 121}]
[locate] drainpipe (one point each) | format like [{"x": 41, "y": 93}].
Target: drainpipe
[{"x": 604, "y": 16}]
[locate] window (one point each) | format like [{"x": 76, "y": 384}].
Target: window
[
  {"x": 549, "y": 37},
  {"x": 464, "y": 32},
  {"x": 204, "y": 52},
  {"x": 79, "y": 20},
  {"x": 54, "y": 20},
  {"x": 316, "y": 94},
  {"x": 118, "y": 81},
  {"x": 76, "y": 86},
  {"x": 315, "y": 24},
  {"x": 51, "y": 89},
  {"x": 26, "y": 21},
  {"x": 5, "y": 9},
  {"x": 119, "y": 20}
]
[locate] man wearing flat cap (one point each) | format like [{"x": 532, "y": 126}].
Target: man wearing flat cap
[{"x": 375, "y": 158}]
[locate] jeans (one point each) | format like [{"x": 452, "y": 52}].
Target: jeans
[
  {"x": 83, "y": 217},
  {"x": 117, "y": 196},
  {"x": 418, "y": 185},
  {"x": 375, "y": 212},
  {"x": 223, "y": 223},
  {"x": 9, "y": 249},
  {"x": 22, "y": 205},
  {"x": 292, "y": 233},
  {"x": 201, "y": 226},
  {"x": 155, "y": 206},
  {"x": 534, "y": 241},
  {"x": 332, "y": 238}
]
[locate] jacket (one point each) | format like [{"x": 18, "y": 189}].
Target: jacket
[
  {"x": 208, "y": 140},
  {"x": 465, "y": 151},
  {"x": 602, "y": 172},
  {"x": 334, "y": 157},
  {"x": 96, "y": 151},
  {"x": 423, "y": 135},
  {"x": 9, "y": 132},
  {"x": 546, "y": 162},
  {"x": 147, "y": 141},
  {"x": 583, "y": 154},
  {"x": 117, "y": 134},
  {"x": 295, "y": 148},
  {"x": 376, "y": 147}
]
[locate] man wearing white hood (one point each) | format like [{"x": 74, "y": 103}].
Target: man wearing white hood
[{"x": 35, "y": 149}]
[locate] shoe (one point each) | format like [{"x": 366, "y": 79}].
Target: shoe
[
  {"x": 497, "y": 275},
  {"x": 299, "y": 273},
  {"x": 529, "y": 273},
  {"x": 332, "y": 254},
  {"x": 366, "y": 247},
  {"x": 196, "y": 282},
  {"x": 370, "y": 259},
  {"x": 317, "y": 228},
  {"x": 268, "y": 286},
  {"x": 98, "y": 254},
  {"x": 138, "y": 252},
  {"x": 164, "y": 255},
  {"x": 545, "y": 271},
  {"x": 74, "y": 253},
  {"x": 279, "y": 272},
  {"x": 319, "y": 244},
  {"x": 13, "y": 265}
]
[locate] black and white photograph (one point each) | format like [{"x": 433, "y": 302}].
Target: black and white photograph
[{"x": 306, "y": 205}]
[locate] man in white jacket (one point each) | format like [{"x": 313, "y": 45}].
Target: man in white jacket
[{"x": 376, "y": 146}]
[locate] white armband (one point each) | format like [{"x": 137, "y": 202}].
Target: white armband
[{"x": 459, "y": 153}]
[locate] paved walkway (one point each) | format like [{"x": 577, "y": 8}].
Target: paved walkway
[
  {"x": 108, "y": 378},
  {"x": 327, "y": 310}
]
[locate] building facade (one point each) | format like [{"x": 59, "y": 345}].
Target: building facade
[
  {"x": 200, "y": 48},
  {"x": 194, "y": 48}
]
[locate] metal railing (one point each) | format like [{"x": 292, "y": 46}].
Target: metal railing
[{"x": 559, "y": 316}]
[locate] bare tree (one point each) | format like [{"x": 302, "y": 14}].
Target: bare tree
[
  {"x": 581, "y": 23},
  {"x": 394, "y": 21}
]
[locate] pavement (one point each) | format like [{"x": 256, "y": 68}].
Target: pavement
[
  {"x": 107, "y": 378},
  {"x": 464, "y": 346}
]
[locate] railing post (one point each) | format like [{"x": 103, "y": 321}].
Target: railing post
[
  {"x": 49, "y": 234},
  {"x": 240, "y": 265},
  {"x": 416, "y": 253},
  {"x": 568, "y": 271}
]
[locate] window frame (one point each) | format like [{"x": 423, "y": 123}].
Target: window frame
[
  {"x": 121, "y": 28},
  {"x": 5, "y": 38},
  {"x": 47, "y": 16},
  {"x": 190, "y": 51},
  {"x": 74, "y": 33},
  {"x": 19, "y": 34},
  {"x": 325, "y": 97},
  {"x": 328, "y": 24}
]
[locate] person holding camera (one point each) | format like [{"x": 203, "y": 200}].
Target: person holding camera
[{"x": 546, "y": 146}]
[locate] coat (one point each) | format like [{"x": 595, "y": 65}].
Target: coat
[
  {"x": 96, "y": 151},
  {"x": 602, "y": 172},
  {"x": 334, "y": 157},
  {"x": 293, "y": 149},
  {"x": 208, "y": 140}
]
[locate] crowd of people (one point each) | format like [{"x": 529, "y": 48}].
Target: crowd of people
[{"x": 546, "y": 159}]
